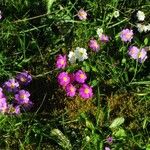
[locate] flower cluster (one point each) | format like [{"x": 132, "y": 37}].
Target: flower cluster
[
  {"x": 71, "y": 81},
  {"x": 94, "y": 44},
  {"x": 79, "y": 54},
  {"x": 126, "y": 35},
  {"x": 75, "y": 82},
  {"x": 141, "y": 27},
  {"x": 102, "y": 37},
  {"x": 15, "y": 97},
  {"x": 134, "y": 52}
]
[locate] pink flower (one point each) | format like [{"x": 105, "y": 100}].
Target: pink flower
[
  {"x": 85, "y": 91},
  {"x": 3, "y": 105},
  {"x": 104, "y": 38},
  {"x": 142, "y": 55},
  {"x": 94, "y": 45},
  {"x": 80, "y": 76},
  {"x": 17, "y": 110},
  {"x": 3, "y": 102},
  {"x": 82, "y": 14},
  {"x": 22, "y": 97},
  {"x": 24, "y": 78},
  {"x": 126, "y": 35},
  {"x": 71, "y": 90},
  {"x": 11, "y": 85},
  {"x": 133, "y": 52},
  {"x": 107, "y": 148},
  {"x": 109, "y": 139},
  {"x": 13, "y": 109},
  {"x": 1, "y": 93},
  {"x": 63, "y": 78},
  {"x": 61, "y": 61}
]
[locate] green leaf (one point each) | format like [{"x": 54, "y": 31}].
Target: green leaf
[
  {"x": 96, "y": 139},
  {"x": 148, "y": 147},
  {"x": 94, "y": 83},
  {"x": 117, "y": 122},
  {"x": 49, "y": 5},
  {"x": 120, "y": 133},
  {"x": 61, "y": 139},
  {"x": 146, "y": 41},
  {"x": 94, "y": 69},
  {"x": 145, "y": 123},
  {"x": 89, "y": 125},
  {"x": 86, "y": 66}
]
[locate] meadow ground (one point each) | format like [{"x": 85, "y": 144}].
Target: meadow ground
[{"x": 75, "y": 75}]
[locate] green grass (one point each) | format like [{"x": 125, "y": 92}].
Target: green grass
[{"x": 33, "y": 33}]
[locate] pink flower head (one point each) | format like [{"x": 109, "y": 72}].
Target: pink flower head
[
  {"x": 126, "y": 35},
  {"x": 134, "y": 52},
  {"x": 82, "y": 14},
  {"x": 1, "y": 93},
  {"x": 13, "y": 109},
  {"x": 94, "y": 45},
  {"x": 71, "y": 90},
  {"x": 3, "y": 105},
  {"x": 22, "y": 97},
  {"x": 109, "y": 139},
  {"x": 104, "y": 38},
  {"x": 142, "y": 55},
  {"x": 24, "y": 78},
  {"x": 11, "y": 85},
  {"x": 61, "y": 61},
  {"x": 80, "y": 76},
  {"x": 85, "y": 91},
  {"x": 107, "y": 148},
  {"x": 17, "y": 110},
  {"x": 63, "y": 78}
]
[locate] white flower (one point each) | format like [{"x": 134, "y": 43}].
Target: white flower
[
  {"x": 116, "y": 14},
  {"x": 142, "y": 28},
  {"x": 99, "y": 31},
  {"x": 148, "y": 27},
  {"x": 81, "y": 53},
  {"x": 72, "y": 57},
  {"x": 145, "y": 28},
  {"x": 140, "y": 15},
  {"x": 139, "y": 27}
]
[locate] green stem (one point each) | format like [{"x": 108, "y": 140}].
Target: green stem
[
  {"x": 135, "y": 72},
  {"x": 98, "y": 110}
]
